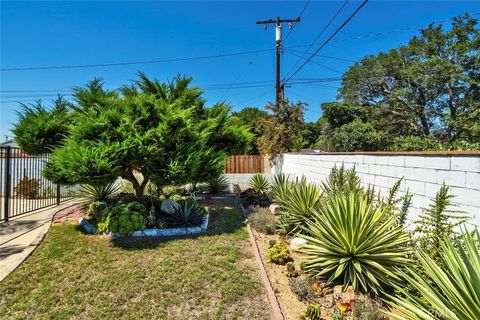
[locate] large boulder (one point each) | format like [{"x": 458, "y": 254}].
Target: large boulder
[
  {"x": 297, "y": 243},
  {"x": 169, "y": 206}
]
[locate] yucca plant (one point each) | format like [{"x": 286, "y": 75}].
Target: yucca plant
[
  {"x": 452, "y": 290},
  {"x": 218, "y": 184},
  {"x": 99, "y": 192},
  {"x": 279, "y": 184},
  {"x": 350, "y": 238},
  {"x": 297, "y": 202},
  {"x": 259, "y": 183},
  {"x": 188, "y": 214}
]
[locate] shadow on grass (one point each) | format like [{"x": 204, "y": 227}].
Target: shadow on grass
[{"x": 223, "y": 220}]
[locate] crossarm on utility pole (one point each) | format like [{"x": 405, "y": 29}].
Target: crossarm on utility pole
[{"x": 278, "y": 44}]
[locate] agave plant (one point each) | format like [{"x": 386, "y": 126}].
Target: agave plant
[
  {"x": 349, "y": 238},
  {"x": 452, "y": 291},
  {"x": 218, "y": 184},
  {"x": 297, "y": 201},
  {"x": 259, "y": 183},
  {"x": 188, "y": 214},
  {"x": 99, "y": 192}
]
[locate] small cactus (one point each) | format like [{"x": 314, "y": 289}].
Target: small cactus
[
  {"x": 291, "y": 272},
  {"x": 271, "y": 243},
  {"x": 313, "y": 313}
]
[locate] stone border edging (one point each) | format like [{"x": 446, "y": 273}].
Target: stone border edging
[
  {"x": 153, "y": 232},
  {"x": 37, "y": 240},
  {"x": 272, "y": 298}
]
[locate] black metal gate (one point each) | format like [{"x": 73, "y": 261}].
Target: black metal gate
[{"x": 23, "y": 189}]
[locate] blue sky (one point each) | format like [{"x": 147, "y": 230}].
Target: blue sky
[{"x": 71, "y": 33}]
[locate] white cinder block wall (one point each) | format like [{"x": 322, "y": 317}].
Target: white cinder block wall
[
  {"x": 241, "y": 180},
  {"x": 423, "y": 175}
]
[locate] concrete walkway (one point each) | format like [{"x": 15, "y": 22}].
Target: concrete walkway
[{"x": 21, "y": 235}]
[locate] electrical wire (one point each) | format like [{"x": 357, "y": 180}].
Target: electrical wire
[
  {"x": 134, "y": 62},
  {"x": 299, "y": 16},
  {"x": 328, "y": 39},
  {"x": 314, "y": 62},
  {"x": 317, "y": 37}
]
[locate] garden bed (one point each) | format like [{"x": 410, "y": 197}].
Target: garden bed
[{"x": 294, "y": 304}]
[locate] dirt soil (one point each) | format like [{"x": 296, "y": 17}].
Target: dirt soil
[{"x": 289, "y": 304}]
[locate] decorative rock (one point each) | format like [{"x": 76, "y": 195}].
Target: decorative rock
[
  {"x": 137, "y": 233},
  {"x": 87, "y": 226},
  {"x": 275, "y": 209},
  {"x": 169, "y": 206},
  {"x": 297, "y": 243},
  {"x": 150, "y": 232},
  {"x": 343, "y": 296}
]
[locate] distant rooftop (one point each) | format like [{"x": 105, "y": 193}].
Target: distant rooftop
[{"x": 9, "y": 143}]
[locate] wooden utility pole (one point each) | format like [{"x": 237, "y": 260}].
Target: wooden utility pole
[{"x": 278, "y": 43}]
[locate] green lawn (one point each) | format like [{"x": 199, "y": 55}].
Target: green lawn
[{"x": 72, "y": 275}]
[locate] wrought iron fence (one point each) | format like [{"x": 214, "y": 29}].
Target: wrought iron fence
[{"x": 23, "y": 189}]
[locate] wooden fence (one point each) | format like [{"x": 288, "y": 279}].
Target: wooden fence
[{"x": 245, "y": 164}]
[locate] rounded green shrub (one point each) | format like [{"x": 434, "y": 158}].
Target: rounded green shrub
[{"x": 279, "y": 254}]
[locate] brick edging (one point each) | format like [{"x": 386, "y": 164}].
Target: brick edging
[{"x": 272, "y": 299}]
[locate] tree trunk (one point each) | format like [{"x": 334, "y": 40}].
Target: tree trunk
[{"x": 139, "y": 187}]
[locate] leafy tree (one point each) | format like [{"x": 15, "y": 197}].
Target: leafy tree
[
  {"x": 311, "y": 132},
  {"x": 250, "y": 117},
  {"x": 345, "y": 127},
  {"x": 356, "y": 136},
  {"x": 282, "y": 132},
  {"x": 338, "y": 114},
  {"x": 162, "y": 131},
  {"x": 40, "y": 129},
  {"x": 428, "y": 87}
]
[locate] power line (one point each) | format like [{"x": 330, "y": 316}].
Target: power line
[
  {"x": 322, "y": 56},
  {"x": 317, "y": 37},
  {"x": 300, "y": 16},
  {"x": 384, "y": 33},
  {"x": 207, "y": 86},
  {"x": 314, "y": 62},
  {"x": 135, "y": 62},
  {"x": 329, "y": 38}
]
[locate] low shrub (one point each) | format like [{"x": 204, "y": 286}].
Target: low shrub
[
  {"x": 252, "y": 198},
  {"x": 301, "y": 288},
  {"x": 263, "y": 221},
  {"x": 279, "y": 254},
  {"x": 189, "y": 214},
  {"x": 123, "y": 218},
  {"x": 28, "y": 188}
]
